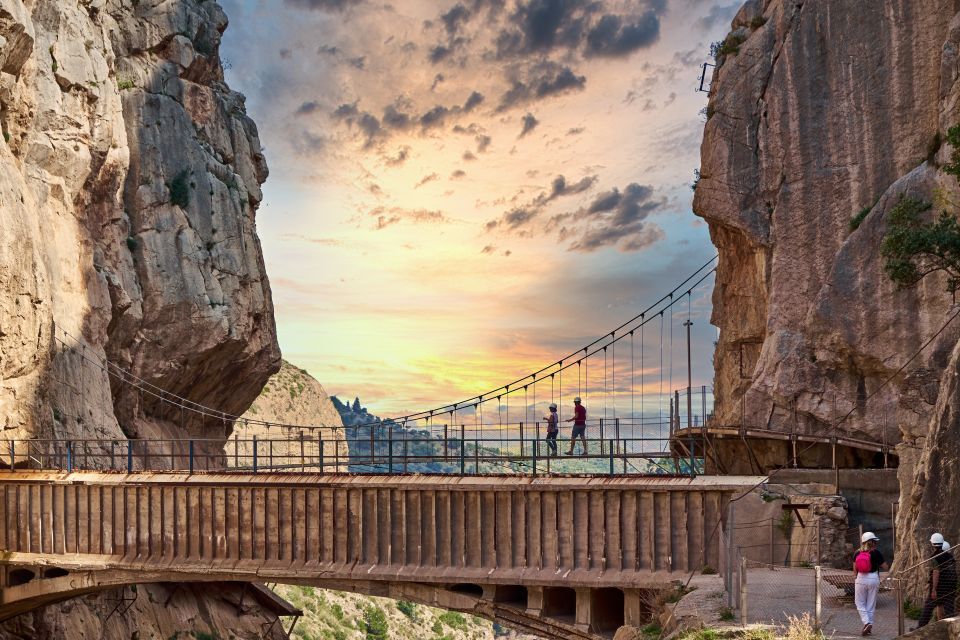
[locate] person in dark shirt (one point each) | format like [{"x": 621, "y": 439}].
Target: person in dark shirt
[
  {"x": 552, "y": 429},
  {"x": 867, "y": 583},
  {"x": 942, "y": 583},
  {"x": 579, "y": 420}
]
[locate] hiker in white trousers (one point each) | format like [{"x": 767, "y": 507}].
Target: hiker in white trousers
[{"x": 866, "y": 567}]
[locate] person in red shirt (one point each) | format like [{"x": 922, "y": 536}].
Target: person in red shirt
[{"x": 579, "y": 420}]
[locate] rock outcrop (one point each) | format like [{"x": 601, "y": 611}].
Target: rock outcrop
[
  {"x": 820, "y": 110},
  {"x": 129, "y": 180},
  {"x": 291, "y": 399}
]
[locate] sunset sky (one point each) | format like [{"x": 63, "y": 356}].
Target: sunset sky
[{"x": 461, "y": 192}]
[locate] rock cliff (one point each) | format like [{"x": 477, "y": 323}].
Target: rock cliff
[
  {"x": 291, "y": 397},
  {"x": 129, "y": 181},
  {"x": 820, "y": 110}
]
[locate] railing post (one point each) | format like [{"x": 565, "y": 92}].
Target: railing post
[
  {"x": 190, "y": 445},
  {"x": 899, "y": 593},
  {"x": 69, "y": 456},
  {"x": 254, "y": 453},
  {"x": 601, "y": 435},
  {"x": 390, "y": 449},
  {"x": 129, "y": 456},
  {"x": 536, "y": 445},
  {"x": 303, "y": 463},
  {"x": 236, "y": 450},
  {"x": 743, "y": 591},
  {"x": 446, "y": 443},
  {"x": 521, "y": 440},
  {"x": 270, "y": 451},
  {"x": 112, "y": 451},
  {"x": 463, "y": 454},
  {"x": 13, "y": 455},
  {"x": 320, "y": 444},
  {"x": 611, "y": 457},
  {"x": 476, "y": 456},
  {"x": 817, "y": 596}
]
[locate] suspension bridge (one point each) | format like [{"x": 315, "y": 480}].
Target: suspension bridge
[{"x": 465, "y": 505}]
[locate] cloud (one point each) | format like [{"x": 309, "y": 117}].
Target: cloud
[
  {"x": 322, "y": 5},
  {"x": 529, "y": 124},
  {"x": 719, "y": 14},
  {"x": 285, "y": 54},
  {"x": 488, "y": 249},
  {"x": 435, "y": 117},
  {"x": 437, "y": 79},
  {"x": 543, "y": 80},
  {"x": 544, "y": 26},
  {"x": 473, "y": 101},
  {"x": 468, "y": 156},
  {"x": 439, "y": 53},
  {"x": 521, "y": 215},
  {"x": 455, "y": 18},
  {"x": 459, "y": 173},
  {"x": 403, "y": 153},
  {"x": 385, "y": 217},
  {"x": 425, "y": 179},
  {"x": 615, "y": 217},
  {"x": 483, "y": 141},
  {"x": 307, "y": 108},
  {"x": 612, "y": 37}
]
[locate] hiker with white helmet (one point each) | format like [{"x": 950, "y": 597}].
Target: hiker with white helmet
[
  {"x": 942, "y": 586},
  {"x": 553, "y": 428},
  {"x": 579, "y": 420},
  {"x": 866, "y": 567}
]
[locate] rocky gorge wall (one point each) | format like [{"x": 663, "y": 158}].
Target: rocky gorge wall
[
  {"x": 129, "y": 181},
  {"x": 818, "y": 110}
]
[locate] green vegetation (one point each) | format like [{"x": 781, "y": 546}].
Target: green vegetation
[
  {"x": 203, "y": 635},
  {"x": 6, "y": 137},
  {"x": 453, "y": 620},
  {"x": 913, "y": 249},
  {"x": 125, "y": 83},
  {"x": 856, "y": 220},
  {"x": 757, "y": 22},
  {"x": 407, "y": 608},
  {"x": 912, "y": 609},
  {"x": 180, "y": 190},
  {"x": 726, "y": 614},
  {"x": 759, "y": 634},
  {"x": 374, "y": 623},
  {"x": 953, "y": 137},
  {"x": 132, "y": 243},
  {"x": 728, "y": 46},
  {"x": 708, "y": 570}
]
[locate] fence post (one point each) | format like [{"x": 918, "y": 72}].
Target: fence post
[
  {"x": 13, "y": 456},
  {"x": 69, "y": 456},
  {"x": 611, "y": 457},
  {"x": 521, "y": 440},
  {"x": 772, "y": 545},
  {"x": 730, "y": 530},
  {"x": 817, "y": 597},
  {"x": 254, "y": 453},
  {"x": 190, "y": 445},
  {"x": 898, "y": 588},
  {"x": 743, "y": 591},
  {"x": 113, "y": 465},
  {"x": 390, "y": 448},
  {"x": 320, "y": 456},
  {"x": 463, "y": 453},
  {"x": 303, "y": 466},
  {"x": 536, "y": 444},
  {"x": 129, "y": 456}
]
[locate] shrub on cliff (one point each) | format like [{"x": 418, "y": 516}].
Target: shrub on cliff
[
  {"x": 180, "y": 190},
  {"x": 913, "y": 248}
]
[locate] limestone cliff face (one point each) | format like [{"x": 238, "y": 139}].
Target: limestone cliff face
[
  {"x": 828, "y": 108},
  {"x": 291, "y": 397},
  {"x": 129, "y": 180}
]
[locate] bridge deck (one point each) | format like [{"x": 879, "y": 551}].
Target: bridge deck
[{"x": 622, "y": 533}]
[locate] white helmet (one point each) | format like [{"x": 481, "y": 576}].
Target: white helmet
[
  {"x": 553, "y": 406},
  {"x": 869, "y": 536},
  {"x": 937, "y": 538},
  {"x": 945, "y": 546},
  {"x": 577, "y": 399}
]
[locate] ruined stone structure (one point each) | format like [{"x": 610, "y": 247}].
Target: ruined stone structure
[
  {"x": 819, "y": 111},
  {"x": 563, "y": 557}
]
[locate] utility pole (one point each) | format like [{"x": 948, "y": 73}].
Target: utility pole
[{"x": 689, "y": 324}]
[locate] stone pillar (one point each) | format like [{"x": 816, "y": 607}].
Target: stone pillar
[
  {"x": 534, "y": 601},
  {"x": 584, "y": 613},
  {"x": 634, "y": 614}
]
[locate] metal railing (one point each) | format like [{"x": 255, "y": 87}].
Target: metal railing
[{"x": 398, "y": 453}]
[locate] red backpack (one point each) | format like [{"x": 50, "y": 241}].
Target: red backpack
[{"x": 862, "y": 562}]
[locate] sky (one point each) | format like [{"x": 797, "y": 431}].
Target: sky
[{"x": 463, "y": 191}]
